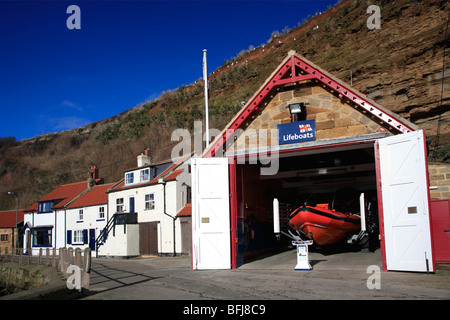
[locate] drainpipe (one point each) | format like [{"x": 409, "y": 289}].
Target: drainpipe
[{"x": 161, "y": 181}]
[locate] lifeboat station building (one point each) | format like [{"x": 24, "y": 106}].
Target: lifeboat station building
[{"x": 307, "y": 137}]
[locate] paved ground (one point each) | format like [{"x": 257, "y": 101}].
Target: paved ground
[{"x": 338, "y": 276}]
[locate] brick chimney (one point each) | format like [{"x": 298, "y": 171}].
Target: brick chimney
[
  {"x": 93, "y": 175},
  {"x": 143, "y": 159}
]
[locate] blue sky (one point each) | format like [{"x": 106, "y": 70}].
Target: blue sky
[{"x": 126, "y": 52}]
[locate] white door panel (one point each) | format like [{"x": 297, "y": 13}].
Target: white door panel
[
  {"x": 210, "y": 213},
  {"x": 405, "y": 201}
]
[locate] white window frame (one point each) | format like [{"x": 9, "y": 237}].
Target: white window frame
[
  {"x": 150, "y": 202},
  {"x": 144, "y": 175},
  {"x": 120, "y": 205},
  {"x": 101, "y": 212},
  {"x": 77, "y": 237},
  {"x": 80, "y": 215},
  {"x": 129, "y": 178}
]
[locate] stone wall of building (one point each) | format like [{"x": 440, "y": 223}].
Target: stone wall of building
[
  {"x": 439, "y": 175},
  {"x": 334, "y": 118}
]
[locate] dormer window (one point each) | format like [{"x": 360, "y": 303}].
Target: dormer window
[
  {"x": 145, "y": 175},
  {"x": 45, "y": 206},
  {"x": 129, "y": 178}
]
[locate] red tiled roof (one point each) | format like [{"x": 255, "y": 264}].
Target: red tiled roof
[
  {"x": 97, "y": 195},
  {"x": 186, "y": 211},
  {"x": 33, "y": 207},
  {"x": 173, "y": 175},
  {"x": 8, "y": 218},
  {"x": 65, "y": 193}
]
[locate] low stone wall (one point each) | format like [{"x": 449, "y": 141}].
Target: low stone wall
[
  {"x": 15, "y": 277},
  {"x": 21, "y": 274}
]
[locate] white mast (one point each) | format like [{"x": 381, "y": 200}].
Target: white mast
[{"x": 205, "y": 78}]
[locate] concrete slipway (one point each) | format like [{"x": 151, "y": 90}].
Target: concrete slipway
[{"x": 341, "y": 276}]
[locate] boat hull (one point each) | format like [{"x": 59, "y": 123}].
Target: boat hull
[{"x": 322, "y": 225}]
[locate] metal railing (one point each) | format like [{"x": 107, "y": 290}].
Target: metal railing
[{"x": 119, "y": 218}]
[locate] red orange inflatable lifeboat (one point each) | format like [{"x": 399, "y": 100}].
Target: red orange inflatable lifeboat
[{"x": 323, "y": 225}]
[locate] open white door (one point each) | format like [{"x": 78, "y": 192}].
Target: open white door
[
  {"x": 405, "y": 202},
  {"x": 210, "y": 214}
]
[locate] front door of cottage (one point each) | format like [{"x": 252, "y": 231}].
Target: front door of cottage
[
  {"x": 131, "y": 202},
  {"x": 92, "y": 239},
  {"x": 148, "y": 238}
]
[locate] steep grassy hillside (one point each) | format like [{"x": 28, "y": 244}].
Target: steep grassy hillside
[{"x": 400, "y": 66}]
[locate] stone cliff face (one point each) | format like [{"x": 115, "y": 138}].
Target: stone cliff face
[{"x": 402, "y": 65}]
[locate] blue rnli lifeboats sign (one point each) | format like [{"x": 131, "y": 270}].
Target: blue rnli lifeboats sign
[{"x": 294, "y": 132}]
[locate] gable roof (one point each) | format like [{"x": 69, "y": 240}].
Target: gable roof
[
  {"x": 96, "y": 196},
  {"x": 295, "y": 68},
  {"x": 186, "y": 211},
  {"x": 61, "y": 195},
  {"x": 8, "y": 218},
  {"x": 173, "y": 175}
]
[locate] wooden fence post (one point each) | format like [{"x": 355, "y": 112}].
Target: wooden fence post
[
  {"x": 54, "y": 258},
  {"x": 60, "y": 259},
  {"x": 87, "y": 260},
  {"x": 69, "y": 257},
  {"x": 86, "y": 275},
  {"x": 47, "y": 257},
  {"x": 78, "y": 258}
]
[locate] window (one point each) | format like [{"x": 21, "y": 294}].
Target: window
[
  {"x": 150, "y": 201},
  {"x": 101, "y": 212},
  {"x": 188, "y": 194},
  {"x": 80, "y": 215},
  {"x": 145, "y": 175},
  {"x": 78, "y": 237},
  {"x": 45, "y": 206},
  {"x": 129, "y": 178},
  {"x": 119, "y": 205},
  {"x": 42, "y": 237},
  {"x": 4, "y": 237}
]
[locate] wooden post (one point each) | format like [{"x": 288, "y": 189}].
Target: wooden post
[
  {"x": 47, "y": 257},
  {"x": 86, "y": 275},
  {"x": 40, "y": 257},
  {"x": 54, "y": 258},
  {"x": 69, "y": 260},
  {"x": 60, "y": 259},
  {"x": 87, "y": 260},
  {"x": 30, "y": 254},
  {"x": 78, "y": 258}
]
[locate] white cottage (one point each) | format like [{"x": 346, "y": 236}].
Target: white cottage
[
  {"x": 86, "y": 217},
  {"x": 45, "y": 220},
  {"x": 144, "y": 208}
]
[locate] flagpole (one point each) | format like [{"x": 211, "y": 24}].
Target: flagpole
[{"x": 205, "y": 78}]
